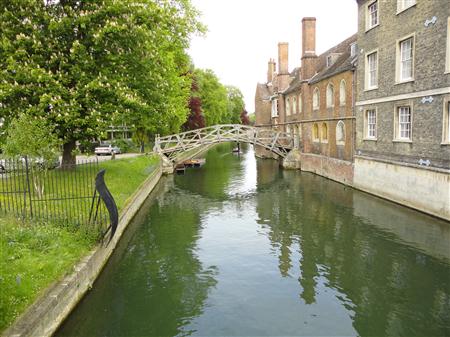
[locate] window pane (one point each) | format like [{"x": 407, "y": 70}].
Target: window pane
[
  {"x": 406, "y": 54},
  {"x": 404, "y": 117},
  {"x": 372, "y": 65}
]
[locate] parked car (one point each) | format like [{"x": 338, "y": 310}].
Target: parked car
[{"x": 106, "y": 149}]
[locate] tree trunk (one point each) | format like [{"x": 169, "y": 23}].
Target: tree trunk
[
  {"x": 142, "y": 147},
  {"x": 68, "y": 158}
]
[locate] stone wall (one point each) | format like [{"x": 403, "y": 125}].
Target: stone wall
[
  {"x": 427, "y": 190},
  {"x": 335, "y": 169}
]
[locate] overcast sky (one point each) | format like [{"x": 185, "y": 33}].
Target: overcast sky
[{"x": 243, "y": 34}]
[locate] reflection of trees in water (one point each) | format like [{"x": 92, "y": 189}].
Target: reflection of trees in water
[
  {"x": 391, "y": 287},
  {"x": 157, "y": 286},
  {"x": 212, "y": 180}
]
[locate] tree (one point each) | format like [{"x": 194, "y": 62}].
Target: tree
[
  {"x": 195, "y": 120},
  {"x": 33, "y": 138},
  {"x": 235, "y": 105},
  {"x": 83, "y": 65},
  {"x": 244, "y": 117},
  {"x": 213, "y": 96}
]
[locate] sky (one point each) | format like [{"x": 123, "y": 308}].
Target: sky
[{"x": 243, "y": 34}]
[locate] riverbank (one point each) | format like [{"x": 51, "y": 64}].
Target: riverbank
[{"x": 36, "y": 255}]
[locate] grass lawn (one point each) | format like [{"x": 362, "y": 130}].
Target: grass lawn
[{"x": 35, "y": 254}]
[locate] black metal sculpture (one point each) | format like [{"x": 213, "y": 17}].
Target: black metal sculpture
[{"x": 108, "y": 199}]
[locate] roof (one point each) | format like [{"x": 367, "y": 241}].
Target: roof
[
  {"x": 295, "y": 83},
  {"x": 343, "y": 62},
  {"x": 263, "y": 90}
]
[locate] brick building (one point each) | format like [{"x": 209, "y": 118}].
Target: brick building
[
  {"x": 315, "y": 104},
  {"x": 402, "y": 102}
]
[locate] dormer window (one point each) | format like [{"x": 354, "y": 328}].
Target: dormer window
[
  {"x": 329, "y": 60},
  {"x": 353, "y": 49}
]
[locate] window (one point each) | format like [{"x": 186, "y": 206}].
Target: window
[
  {"x": 353, "y": 49},
  {"x": 316, "y": 99},
  {"x": 329, "y": 60},
  {"x": 371, "y": 124},
  {"x": 325, "y": 132},
  {"x": 372, "y": 15},
  {"x": 274, "y": 108},
  {"x": 446, "y": 123},
  {"x": 288, "y": 107},
  {"x": 342, "y": 93},
  {"x": 404, "y": 4},
  {"x": 294, "y": 105},
  {"x": 447, "y": 67},
  {"x": 300, "y": 105},
  {"x": 340, "y": 133},
  {"x": 330, "y": 95},
  {"x": 315, "y": 132},
  {"x": 404, "y": 123},
  {"x": 405, "y": 60},
  {"x": 372, "y": 71}
]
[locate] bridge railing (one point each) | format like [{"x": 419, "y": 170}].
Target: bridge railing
[{"x": 278, "y": 142}]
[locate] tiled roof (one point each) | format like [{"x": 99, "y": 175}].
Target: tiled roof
[
  {"x": 343, "y": 62},
  {"x": 296, "y": 82}
]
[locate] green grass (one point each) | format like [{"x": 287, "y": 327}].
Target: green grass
[
  {"x": 32, "y": 257},
  {"x": 35, "y": 254},
  {"x": 124, "y": 176}
]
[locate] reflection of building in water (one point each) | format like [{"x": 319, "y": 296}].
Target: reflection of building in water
[{"x": 382, "y": 280}]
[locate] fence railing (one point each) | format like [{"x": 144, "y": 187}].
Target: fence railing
[{"x": 49, "y": 191}]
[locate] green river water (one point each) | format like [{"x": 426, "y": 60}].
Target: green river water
[{"x": 243, "y": 248}]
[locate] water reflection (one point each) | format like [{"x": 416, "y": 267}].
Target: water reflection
[
  {"x": 241, "y": 247},
  {"x": 389, "y": 264}
]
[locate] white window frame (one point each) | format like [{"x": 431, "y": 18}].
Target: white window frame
[
  {"x": 400, "y": 62},
  {"x": 400, "y": 125},
  {"x": 330, "y": 95},
  {"x": 369, "y": 24},
  {"x": 368, "y": 86},
  {"x": 446, "y": 122},
  {"x": 368, "y": 121},
  {"x": 288, "y": 107},
  {"x": 340, "y": 126},
  {"x": 343, "y": 93},
  {"x": 300, "y": 104},
  {"x": 447, "y": 63},
  {"x": 402, "y": 5},
  {"x": 316, "y": 98},
  {"x": 353, "y": 49},
  {"x": 274, "y": 108}
]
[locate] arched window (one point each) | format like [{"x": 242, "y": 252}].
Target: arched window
[
  {"x": 300, "y": 105},
  {"x": 294, "y": 105},
  {"x": 330, "y": 95},
  {"x": 340, "y": 133},
  {"x": 342, "y": 93},
  {"x": 316, "y": 99},
  {"x": 288, "y": 107},
  {"x": 324, "y": 132},
  {"x": 315, "y": 132}
]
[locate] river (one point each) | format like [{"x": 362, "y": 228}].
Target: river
[{"x": 241, "y": 247}]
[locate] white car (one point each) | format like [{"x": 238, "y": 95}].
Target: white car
[{"x": 107, "y": 150}]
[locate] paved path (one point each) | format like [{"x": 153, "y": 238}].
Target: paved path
[{"x": 85, "y": 158}]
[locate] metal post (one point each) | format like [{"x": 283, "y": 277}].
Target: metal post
[{"x": 28, "y": 185}]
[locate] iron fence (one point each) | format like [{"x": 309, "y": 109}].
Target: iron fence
[{"x": 48, "y": 191}]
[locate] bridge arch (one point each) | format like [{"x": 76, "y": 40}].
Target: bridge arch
[{"x": 172, "y": 146}]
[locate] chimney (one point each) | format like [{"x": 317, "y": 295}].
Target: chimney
[
  {"x": 309, "y": 56},
  {"x": 308, "y": 37},
  {"x": 283, "y": 58},
  {"x": 270, "y": 70}
]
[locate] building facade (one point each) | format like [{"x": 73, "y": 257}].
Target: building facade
[
  {"x": 314, "y": 103},
  {"x": 403, "y": 102}
]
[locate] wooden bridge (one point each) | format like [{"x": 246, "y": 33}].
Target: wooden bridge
[{"x": 173, "y": 146}]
